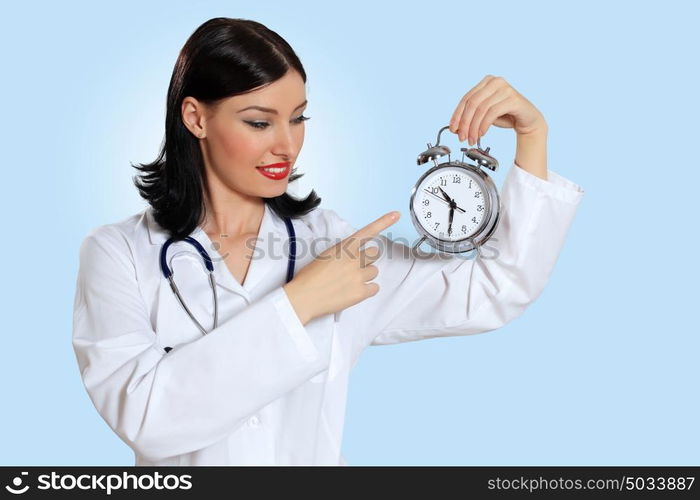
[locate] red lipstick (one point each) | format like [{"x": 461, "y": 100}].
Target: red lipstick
[{"x": 281, "y": 170}]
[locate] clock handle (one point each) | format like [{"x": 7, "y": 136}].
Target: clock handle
[
  {"x": 439, "y": 133},
  {"x": 480, "y": 156},
  {"x": 478, "y": 139}
]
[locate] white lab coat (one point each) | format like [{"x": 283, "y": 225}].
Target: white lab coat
[{"x": 263, "y": 388}]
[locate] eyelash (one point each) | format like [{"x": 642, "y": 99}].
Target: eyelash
[{"x": 264, "y": 125}]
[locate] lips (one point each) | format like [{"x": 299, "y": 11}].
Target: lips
[
  {"x": 281, "y": 164},
  {"x": 281, "y": 170}
]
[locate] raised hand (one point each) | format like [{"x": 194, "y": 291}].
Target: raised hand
[
  {"x": 338, "y": 277},
  {"x": 493, "y": 101}
]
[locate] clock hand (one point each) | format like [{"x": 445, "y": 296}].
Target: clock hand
[
  {"x": 449, "y": 226},
  {"x": 447, "y": 197},
  {"x": 442, "y": 200},
  {"x": 445, "y": 194}
]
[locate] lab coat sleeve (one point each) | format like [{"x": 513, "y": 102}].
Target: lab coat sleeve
[
  {"x": 447, "y": 294},
  {"x": 169, "y": 404}
]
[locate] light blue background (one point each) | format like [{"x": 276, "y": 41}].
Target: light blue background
[{"x": 602, "y": 369}]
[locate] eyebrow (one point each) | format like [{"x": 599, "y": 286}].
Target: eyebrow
[{"x": 270, "y": 110}]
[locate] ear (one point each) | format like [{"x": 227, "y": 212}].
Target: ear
[{"x": 192, "y": 112}]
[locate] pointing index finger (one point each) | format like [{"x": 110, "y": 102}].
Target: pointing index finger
[{"x": 364, "y": 234}]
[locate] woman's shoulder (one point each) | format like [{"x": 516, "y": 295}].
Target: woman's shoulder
[{"x": 119, "y": 236}]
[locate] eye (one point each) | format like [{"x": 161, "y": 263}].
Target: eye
[
  {"x": 263, "y": 125},
  {"x": 258, "y": 125}
]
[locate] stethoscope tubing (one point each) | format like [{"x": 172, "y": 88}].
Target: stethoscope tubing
[{"x": 168, "y": 274}]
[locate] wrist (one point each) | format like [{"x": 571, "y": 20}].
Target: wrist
[
  {"x": 301, "y": 306},
  {"x": 531, "y": 152},
  {"x": 536, "y": 132}
]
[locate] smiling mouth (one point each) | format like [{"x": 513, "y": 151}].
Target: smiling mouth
[
  {"x": 275, "y": 171},
  {"x": 274, "y": 168},
  {"x": 273, "y": 165}
]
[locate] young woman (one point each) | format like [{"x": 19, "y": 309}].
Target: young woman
[{"x": 266, "y": 382}]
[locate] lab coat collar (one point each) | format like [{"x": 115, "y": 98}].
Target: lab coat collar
[{"x": 270, "y": 245}]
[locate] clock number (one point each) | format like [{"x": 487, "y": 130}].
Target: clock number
[
  {"x": 477, "y": 194},
  {"x": 456, "y": 179},
  {"x": 435, "y": 190},
  {"x": 436, "y": 225},
  {"x": 428, "y": 215},
  {"x": 426, "y": 202},
  {"x": 470, "y": 183},
  {"x": 480, "y": 208},
  {"x": 464, "y": 228},
  {"x": 474, "y": 220},
  {"x": 443, "y": 182}
]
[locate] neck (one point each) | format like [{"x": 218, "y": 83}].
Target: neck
[{"x": 232, "y": 214}]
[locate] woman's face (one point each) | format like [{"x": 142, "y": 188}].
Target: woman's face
[{"x": 238, "y": 138}]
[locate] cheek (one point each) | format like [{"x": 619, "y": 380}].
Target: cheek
[
  {"x": 236, "y": 147},
  {"x": 241, "y": 149}
]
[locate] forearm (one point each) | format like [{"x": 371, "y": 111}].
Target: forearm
[
  {"x": 301, "y": 302},
  {"x": 531, "y": 152}
]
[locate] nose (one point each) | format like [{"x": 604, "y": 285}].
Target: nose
[{"x": 285, "y": 142}]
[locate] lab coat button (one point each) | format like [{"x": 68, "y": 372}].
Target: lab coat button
[{"x": 253, "y": 421}]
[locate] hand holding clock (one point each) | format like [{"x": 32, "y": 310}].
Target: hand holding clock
[
  {"x": 490, "y": 102},
  {"x": 493, "y": 101}
]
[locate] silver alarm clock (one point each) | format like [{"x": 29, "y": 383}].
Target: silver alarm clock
[{"x": 455, "y": 205}]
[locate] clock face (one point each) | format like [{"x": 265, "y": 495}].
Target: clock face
[{"x": 469, "y": 206}]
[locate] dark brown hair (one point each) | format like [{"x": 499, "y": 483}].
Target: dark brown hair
[{"x": 222, "y": 58}]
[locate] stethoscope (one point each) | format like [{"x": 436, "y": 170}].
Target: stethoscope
[{"x": 210, "y": 267}]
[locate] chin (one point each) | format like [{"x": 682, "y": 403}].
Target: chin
[{"x": 274, "y": 191}]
